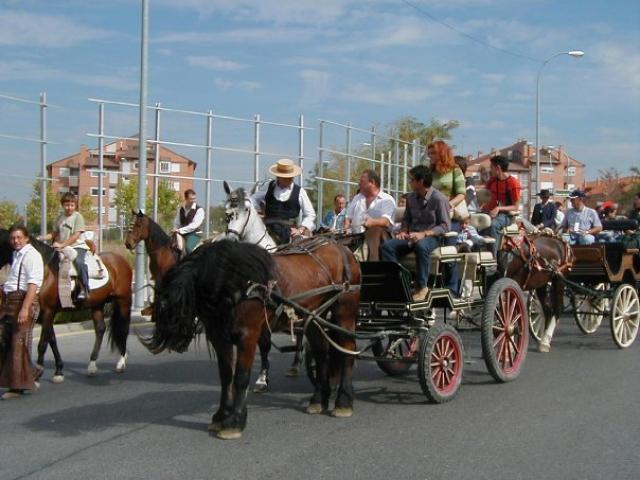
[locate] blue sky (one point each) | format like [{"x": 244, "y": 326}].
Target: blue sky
[{"x": 364, "y": 62}]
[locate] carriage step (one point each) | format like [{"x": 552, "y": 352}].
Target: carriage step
[{"x": 287, "y": 349}]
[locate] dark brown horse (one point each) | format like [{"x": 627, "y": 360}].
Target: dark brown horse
[
  {"x": 117, "y": 291},
  {"x": 158, "y": 245},
  {"x": 537, "y": 262},
  {"x": 234, "y": 289}
]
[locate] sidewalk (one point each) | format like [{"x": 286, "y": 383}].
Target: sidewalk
[{"x": 87, "y": 325}]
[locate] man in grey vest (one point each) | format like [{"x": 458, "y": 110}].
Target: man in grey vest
[{"x": 188, "y": 222}]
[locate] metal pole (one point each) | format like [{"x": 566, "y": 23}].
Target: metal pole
[
  {"x": 348, "y": 159},
  {"x": 207, "y": 203},
  {"x": 43, "y": 163},
  {"x": 373, "y": 146},
  {"x": 389, "y": 184},
  {"x": 406, "y": 167},
  {"x": 142, "y": 154},
  {"x": 396, "y": 169},
  {"x": 156, "y": 164},
  {"x": 301, "y": 147},
  {"x": 414, "y": 153},
  {"x": 101, "y": 174},
  {"x": 256, "y": 148},
  {"x": 320, "y": 169},
  {"x": 382, "y": 171}
]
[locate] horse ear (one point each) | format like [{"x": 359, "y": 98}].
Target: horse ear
[
  {"x": 227, "y": 189},
  {"x": 255, "y": 188},
  {"x": 140, "y": 214}
]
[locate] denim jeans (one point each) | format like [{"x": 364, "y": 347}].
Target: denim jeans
[
  {"x": 81, "y": 267},
  {"x": 575, "y": 239},
  {"x": 497, "y": 224},
  {"x": 391, "y": 250}
]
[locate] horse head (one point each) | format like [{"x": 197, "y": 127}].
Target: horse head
[
  {"x": 6, "y": 250},
  {"x": 138, "y": 229},
  {"x": 237, "y": 212}
]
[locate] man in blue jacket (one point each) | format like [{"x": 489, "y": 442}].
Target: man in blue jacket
[{"x": 544, "y": 213}]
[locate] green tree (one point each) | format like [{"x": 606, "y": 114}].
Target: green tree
[
  {"x": 126, "y": 200},
  {"x": 8, "y": 213},
  {"x": 409, "y": 129},
  {"x": 87, "y": 210},
  {"x": 33, "y": 208}
]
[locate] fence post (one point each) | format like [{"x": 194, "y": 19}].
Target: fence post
[
  {"x": 373, "y": 147},
  {"x": 405, "y": 148},
  {"x": 320, "y": 169},
  {"x": 156, "y": 165},
  {"x": 256, "y": 148},
  {"x": 348, "y": 160},
  {"x": 396, "y": 154},
  {"x": 43, "y": 163},
  {"x": 101, "y": 174},
  {"x": 414, "y": 152},
  {"x": 301, "y": 147},
  {"x": 207, "y": 204},
  {"x": 382, "y": 171}
]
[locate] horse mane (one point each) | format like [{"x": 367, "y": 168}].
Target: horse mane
[
  {"x": 207, "y": 284},
  {"x": 156, "y": 234}
]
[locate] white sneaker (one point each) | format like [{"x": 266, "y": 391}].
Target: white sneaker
[{"x": 10, "y": 395}]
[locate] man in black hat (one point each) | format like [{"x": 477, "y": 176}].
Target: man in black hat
[
  {"x": 544, "y": 213},
  {"x": 581, "y": 222}
]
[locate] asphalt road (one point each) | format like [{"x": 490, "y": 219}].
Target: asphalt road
[{"x": 572, "y": 414}]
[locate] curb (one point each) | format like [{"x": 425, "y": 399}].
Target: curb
[{"x": 87, "y": 325}]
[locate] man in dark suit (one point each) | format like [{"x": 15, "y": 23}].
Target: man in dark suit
[{"x": 544, "y": 213}]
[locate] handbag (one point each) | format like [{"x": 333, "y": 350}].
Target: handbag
[{"x": 460, "y": 211}]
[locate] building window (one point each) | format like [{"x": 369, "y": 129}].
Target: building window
[
  {"x": 547, "y": 169},
  {"x": 95, "y": 190},
  {"x": 571, "y": 171},
  {"x": 94, "y": 173},
  {"x": 176, "y": 186},
  {"x": 510, "y": 154},
  {"x": 165, "y": 167},
  {"x": 63, "y": 172},
  {"x": 175, "y": 168}
]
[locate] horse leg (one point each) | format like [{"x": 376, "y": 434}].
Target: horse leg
[
  {"x": 264, "y": 343},
  {"x": 319, "y": 401},
  {"x": 250, "y": 322},
  {"x": 224, "y": 354},
  {"x": 48, "y": 338},
  {"x": 97, "y": 314},
  {"x": 294, "y": 369},
  {"x": 549, "y": 319},
  {"x": 345, "y": 315},
  {"x": 120, "y": 321}
]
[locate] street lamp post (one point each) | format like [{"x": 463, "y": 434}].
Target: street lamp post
[{"x": 572, "y": 53}]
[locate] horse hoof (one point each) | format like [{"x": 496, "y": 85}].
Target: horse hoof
[
  {"x": 314, "y": 409},
  {"x": 214, "y": 427},
  {"x": 344, "y": 412},
  {"x": 544, "y": 347},
  {"x": 292, "y": 372},
  {"x": 260, "y": 388},
  {"x": 58, "y": 379},
  {"x": 229, "y": 434},
  {"x": 120, "y": 369}
]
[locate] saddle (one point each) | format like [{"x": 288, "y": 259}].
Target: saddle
[{"x": 68, "y": 275}]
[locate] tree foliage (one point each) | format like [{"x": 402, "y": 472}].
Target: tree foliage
[
  {"x": 33, "y": 208},
  {"x": 126, "y": 200},
  {"x": 8, "y": 213},
  {"x": 86, "y": 209}
]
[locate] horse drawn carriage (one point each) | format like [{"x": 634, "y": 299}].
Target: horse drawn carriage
[{"x": 603, "y": 281}]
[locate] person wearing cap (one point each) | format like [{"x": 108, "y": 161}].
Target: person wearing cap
[
  {"x": 283, "y": 202},
  {"x": 505, "y": 198},
  {"x": 371, "y": 212},
  {"x": 581, "y": 222},
  {"x": 188, "y": 222},
  {"x": 544, "y": 213}
]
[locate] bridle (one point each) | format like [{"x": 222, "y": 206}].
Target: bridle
[{"x": 239, "y": 235}]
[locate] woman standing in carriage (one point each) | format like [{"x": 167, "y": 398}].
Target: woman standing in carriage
[{"x": 283, "y": 202}]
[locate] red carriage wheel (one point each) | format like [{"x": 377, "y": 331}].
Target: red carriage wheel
[
  {"x": 536, "y": 316},
  {"x": 403, "y": 349},
  {"x": 505, "y": 330},
  {"x": 440, "y": 363}
]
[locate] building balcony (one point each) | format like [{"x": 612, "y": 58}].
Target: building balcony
[{"x": 73, "y": 180}]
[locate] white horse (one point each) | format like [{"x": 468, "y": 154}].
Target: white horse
[{"x": 244, "y": 224}]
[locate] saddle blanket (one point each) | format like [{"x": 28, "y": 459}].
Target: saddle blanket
[{"x": 98, "y": 275}]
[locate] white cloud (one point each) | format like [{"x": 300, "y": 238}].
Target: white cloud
[
  {"x": 239, "y": 35},
  {"x": 18, "y": 70},
  {"x": 247, "y": 85},
  {"x": 38, "y": 30},
  {"x": 620, "y": 65},
  {"x": 363, "y": 93},
  {"x": 493, "y": 77},
  {"x": 441, "y": 80},
  {"x": 315, "y": 85},
  {"x": 306, "y": 62},
  {"x": 214, "y": 63}
]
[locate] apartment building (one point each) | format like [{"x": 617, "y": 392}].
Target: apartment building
[{"x": 78, "y": 173}]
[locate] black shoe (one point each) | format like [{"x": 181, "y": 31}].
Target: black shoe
[{"x": 82, "y": 295}]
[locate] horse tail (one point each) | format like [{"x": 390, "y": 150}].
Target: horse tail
[
  {"x": 174, "y": 308},
  {"x": 119, "y": 328}
]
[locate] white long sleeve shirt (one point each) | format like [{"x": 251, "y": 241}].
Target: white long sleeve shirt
[
  {"x": 28, "y": 263},
  {"x": 195, "y": 224},
  {"x": 282, "y": 195}
]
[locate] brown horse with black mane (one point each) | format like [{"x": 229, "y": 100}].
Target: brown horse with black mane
[
  {"x": 236, "y": 289},
  {"x": 117, "y": 291},
  {"x": 535, "y": 261}
]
